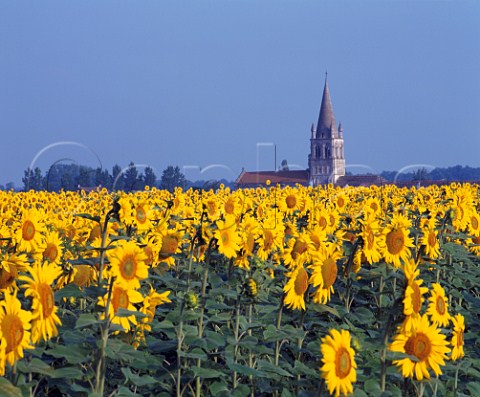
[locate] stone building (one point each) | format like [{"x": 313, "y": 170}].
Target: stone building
[{"x": 326, "y": 161}]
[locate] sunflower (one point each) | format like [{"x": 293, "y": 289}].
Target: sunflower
[
  {"x": 142, "y": 215},
  {"x": 170, "y": 244},
  {"x": 121, "y": 298},
  {"x": 438, "y": 306},
  {"x": 14, "y": 331},
  {"x": 426, "y": 344},
  {"x": 295, "y": 288},
  {"x": 290, "y": 201},
  {"x": 53, "y": 250},
  {"x": 339, "y": 366},
  {"x": 373, "y": 240},
  {"x": 270, "y": 237},
  {"x": 127, "y": 264},
  {"x": 341, "y": 201},
  {"x": 372, "y": 206},
  {"x": 457, "y": 338},
  {"x": 30, "y": 232},
  {"x": 247, "y": 238},
  {"x": 150, "y": 303},
  {"x": 45, "y": 318},
  {"x": 397, "y": 242},
  {"x": 228, "y": 239},
  {"x": 10, "y": 265},
  {"x": 473, "y": 245},
  {"x": 412, "y": 303},
  {"x": 474, "y": 224},
  {"x": 212, "y": 207},
  {"x": 325, "y": 272},
  {"x": 430, "y": 241},
  {"x": 83, "y": 275},
  {"x": 297, "y": 251},
  {"x": 231, "y": 205}
]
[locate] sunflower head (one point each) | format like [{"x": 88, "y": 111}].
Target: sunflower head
[{"x": 339, "y": 366}]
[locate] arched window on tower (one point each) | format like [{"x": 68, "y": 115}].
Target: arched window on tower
[
  {"x": 327, "y": 152},
  {"x": 317, "y": 151}
]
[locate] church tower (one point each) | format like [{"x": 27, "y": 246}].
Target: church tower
[{"x": 326, "y": 161}]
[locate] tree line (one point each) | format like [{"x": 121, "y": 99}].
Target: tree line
[
  {"x": 456, "y": 173},
  {"x": 75, "y": 177}
]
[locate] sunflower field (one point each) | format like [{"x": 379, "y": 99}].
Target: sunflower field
[{"x": 272, "y": 291}]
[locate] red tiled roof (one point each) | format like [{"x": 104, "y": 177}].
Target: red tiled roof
[{"x": 282, "y": 177}]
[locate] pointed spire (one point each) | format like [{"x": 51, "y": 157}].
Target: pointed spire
[{"x": 326, "y": 120}]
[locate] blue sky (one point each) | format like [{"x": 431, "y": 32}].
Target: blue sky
[{"x": 199, "y": 84}]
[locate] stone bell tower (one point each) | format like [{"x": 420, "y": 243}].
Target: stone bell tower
[{"x": 326, "y": 161}]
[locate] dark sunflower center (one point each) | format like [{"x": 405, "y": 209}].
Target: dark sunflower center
[
  {"x": 474, "y": 222},
  {"x": 268, "y": 239},
  {"x": 8, "y": 277},
  {"x": 416, "y": 298},
  {"x": 301, "y": 281},
  {"x": 432, "y": 238},
  {"x": 395, "y": 241},
  {"x": 299, "y": 248},
  {"x": 141, "y": 215},
  {"x": 128, "y": 267},
  {"x": 322, "y": 222},
  {"x": 28, "y": 230},
  {"x": 120, "y": 299},
  {"x": 441, "y": 305},
  {"x": 82, "y": 275},
  {"x": 329, "y": 272},
  {"x": 12, "y": 329},
  {"x": 149, "y": 252},
  {"x": 370, "y": 239},
  {"x": 291, "y": 201},
  {"x": 460, "y": 338},
  {"x": 46, "y": 299},
  {"x": 169, "y": 246},
  {"x": 343, "y": 363},
  {"x": 229, "y": 207},
  {"x": 225, "y": 237},
  {"x": 51, "y": 252},
  {"x": 419, "y": 346}
]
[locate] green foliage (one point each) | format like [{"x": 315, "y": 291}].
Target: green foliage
[{"x": 215, "y": 338}]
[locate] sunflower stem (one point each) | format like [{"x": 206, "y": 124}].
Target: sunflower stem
[
  {"x": 200, "y": 328},
  {"x": 299, "y": 345},
  {"x": 113, "y": 211},
  {"x": 348, "y": 269},
  {"x": 250, "y": 355},
  {"x": 236, "y": 331},
  {"x": 279, "y": 322},
  {"x": 179, "y": 351},
  {"x": 104, "y": 328},
  {"x": 422, "y": 389},
  {"x": 455, "y": 381}
]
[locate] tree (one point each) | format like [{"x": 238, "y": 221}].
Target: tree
[
  {"x": 284, "y": 165},
  {"x": 84, "y": 177},
  {"x": 33, "y": 179},
  {"x": 420, "y": 174},
  {"x": 171, "y": 178},
  {"x": 117, "y": 179},
  {"x": 67, "y": 182},
  {"x": 102, "y": 178},
  {"x": 131, "y": 178},
  {"x": 149, "y": 178}
]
